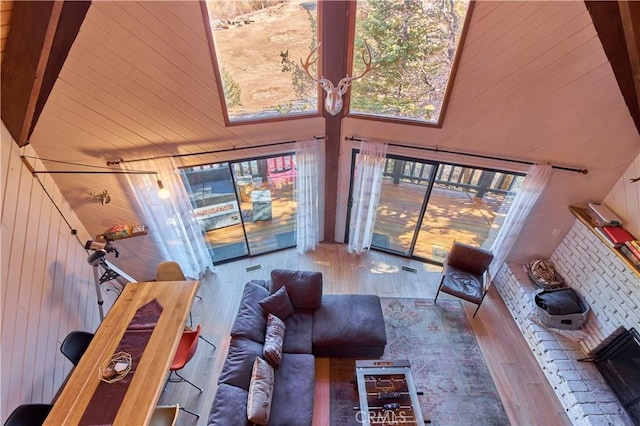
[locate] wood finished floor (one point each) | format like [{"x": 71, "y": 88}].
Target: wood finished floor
[{"x": 527, "y": 396}]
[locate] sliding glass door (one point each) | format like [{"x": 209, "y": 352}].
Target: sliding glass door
[
  {"x": 426, "y": 205},
  {"x": 246, "y": 207},
  {"x": 466, "y": 204},
  {"x": 405, "y": 185}
]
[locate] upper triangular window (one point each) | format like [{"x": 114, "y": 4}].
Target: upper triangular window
[
  {"x": 257, "y": 49},
  {"x": 416, "y": 45}
]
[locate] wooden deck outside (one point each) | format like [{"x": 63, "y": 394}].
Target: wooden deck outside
[{"x": 452, "y": 215}]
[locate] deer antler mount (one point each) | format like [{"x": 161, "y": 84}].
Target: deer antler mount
[{"x": 333, "y": 103}]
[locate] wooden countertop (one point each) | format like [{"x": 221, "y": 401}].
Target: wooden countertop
[{"x": 144, "y": 390}]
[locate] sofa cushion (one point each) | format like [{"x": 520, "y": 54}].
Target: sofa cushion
[
  {"x": 260, "y": 392},
  {"x": 237, "y": 366},
  {"x": 278, "y": 304},
  {"x": 304, "y": 287},
  {"x": 251, "y": 320},
  {"x": 298, "y": 333},
  {"x": 349, "y": 325},
  {"x": 272, "y": 350},
  {"x": 229, "y": 407},
  {"x": 293, "y": 391}
]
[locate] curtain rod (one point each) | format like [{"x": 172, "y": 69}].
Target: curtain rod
[
  {"x": 487, "y": 157},
  {"x": 217, "y": 151}
]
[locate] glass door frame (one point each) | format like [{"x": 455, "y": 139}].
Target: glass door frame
[
  {"x": 425, "y": 203},
  {"x": 434, "y": 164},
  {"x": 231, "y": 166}
]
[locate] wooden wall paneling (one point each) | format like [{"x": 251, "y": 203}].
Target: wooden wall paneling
[
  {"x": 156, "y": 72},
  {"x": 515, "y": 59},
  {"x": 514, "y": 20},
  {"x": 149, "y": 98},
  {"x": 119, "y": 94},
  {"x": 13, "y": 313},
  {"x": 624, "y": 198},
  {"x": 49, "y": 338},
  {"x": 36, "y": 347},
  {"x": 587, "y": 146},
  {"x": 29, "y": 308},
  {"x": 183, "y": 45},
  {"x": 514, "y": 87},
  {"x": 177, "y": 60},
  {"x": 41, "y": 263},
  {"x": 104, "y": 98},
  {"x": 100, "y": 119}
]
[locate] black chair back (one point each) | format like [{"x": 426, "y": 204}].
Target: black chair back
[
  {"x": 74, "y": 345},
  {"x": 29, "y": 415}
]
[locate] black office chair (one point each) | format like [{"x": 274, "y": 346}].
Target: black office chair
[
  {"x": 29, "y": 415},
  {"x": 74, "y": 345}
]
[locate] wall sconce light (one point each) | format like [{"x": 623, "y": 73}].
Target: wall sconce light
[
  {"x": 103, "y": 196},
  {"x": 163, "y": 193}
]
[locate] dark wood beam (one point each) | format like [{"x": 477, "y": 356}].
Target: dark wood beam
[
  {"x": 71, "y": 19},
  {"x": 608, "y": 23},
  {"x": 39, "y": 40},
  {"x": 630, "y": 16},
  {"x": 335, "y": 26}
]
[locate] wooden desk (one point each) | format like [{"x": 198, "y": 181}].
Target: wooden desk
[{"x": 145, "y": 387}]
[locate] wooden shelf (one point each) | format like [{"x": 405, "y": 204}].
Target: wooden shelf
[
  {"x": 583, "y": 217},
  {"x": 131, "y": 231}
]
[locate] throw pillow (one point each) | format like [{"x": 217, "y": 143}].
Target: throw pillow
[
  {"x": 272, "y": 349},
  {"x": 260, "y": 392},
  {"x": 304, "y": 287},
  {"x": 277, "y": 304}
]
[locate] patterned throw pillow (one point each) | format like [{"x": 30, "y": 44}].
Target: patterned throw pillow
[
  {"x": 274, "y": 336},
  {"x": 260, "y": 392},
  {"x": 278, "y": 304}
]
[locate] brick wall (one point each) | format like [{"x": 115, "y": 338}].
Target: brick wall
[
  {"x": 610, "y": 287},
  {"x": 613, "y": 293}
]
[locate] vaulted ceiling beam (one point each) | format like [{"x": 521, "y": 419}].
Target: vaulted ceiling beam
[
  {"x": 611, "y": 27},
  {"x": 40, "y": 37},
  {"x": 630, "y": 15},
  {"x": 337, "y": 17}
]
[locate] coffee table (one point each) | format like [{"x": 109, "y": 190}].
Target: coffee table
[{"x": 387, "y": 393}]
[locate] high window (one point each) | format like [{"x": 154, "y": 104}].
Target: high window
[
  {"x": 258, "y": 46},
  {"x": 416, "y": 44}
]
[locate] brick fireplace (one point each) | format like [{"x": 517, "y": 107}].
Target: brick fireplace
[{"x": 612, "y": 290}]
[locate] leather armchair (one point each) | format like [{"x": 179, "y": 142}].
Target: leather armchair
[{"x": 463, "y": 273}]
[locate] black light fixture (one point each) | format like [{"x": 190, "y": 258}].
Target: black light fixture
[{"x": 163, "y": 193}]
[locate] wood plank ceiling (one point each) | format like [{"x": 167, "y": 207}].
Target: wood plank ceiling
[{"x": 138, "y": 82}]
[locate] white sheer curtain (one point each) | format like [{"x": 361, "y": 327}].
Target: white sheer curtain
[
  {"x": 171, "y": 222},
  {"x": 534, "y": 184},
  {"x": 308, "y": 195},
  {"x": 366, "y": 194}
]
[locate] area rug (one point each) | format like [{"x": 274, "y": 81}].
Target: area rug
[{"x": 446, "y": 363}]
